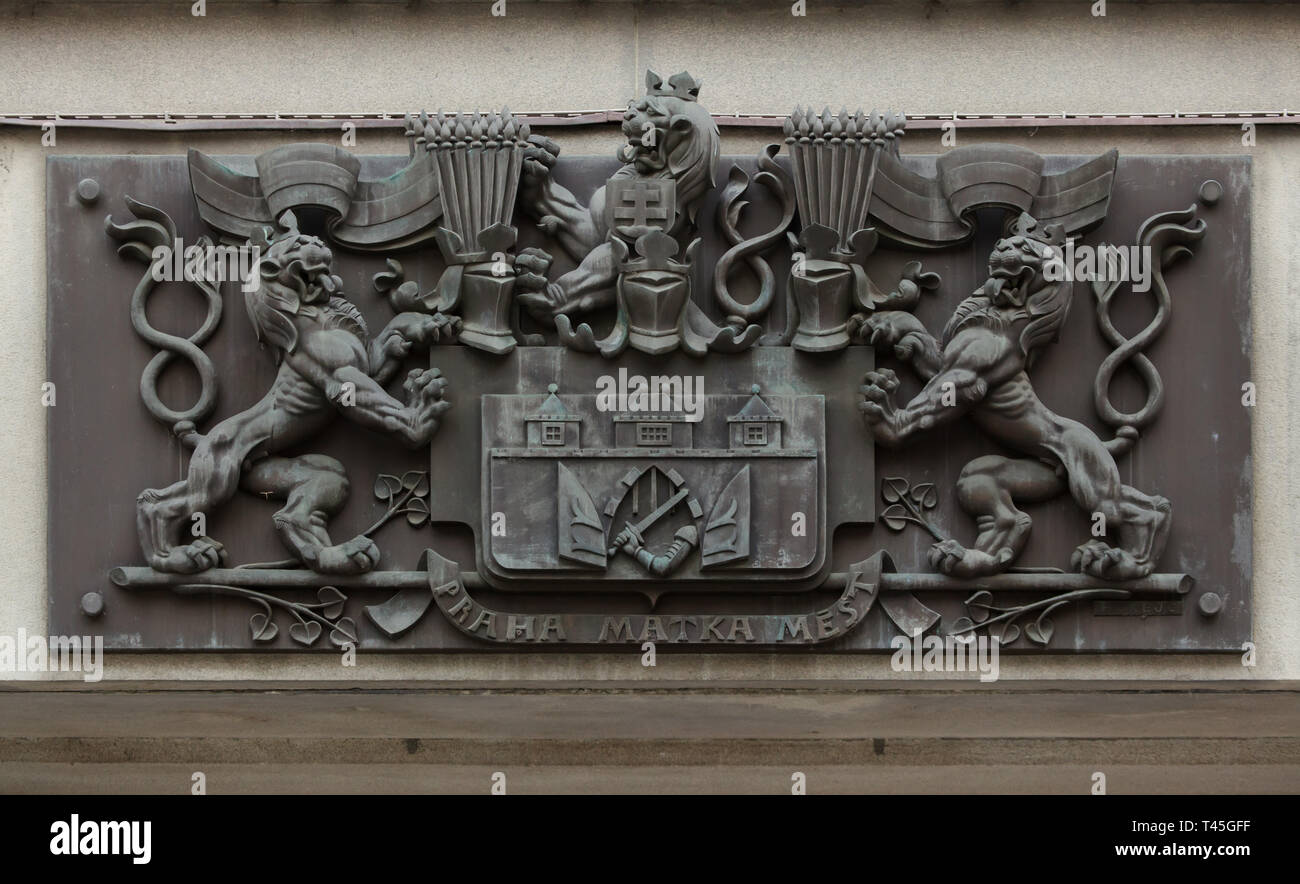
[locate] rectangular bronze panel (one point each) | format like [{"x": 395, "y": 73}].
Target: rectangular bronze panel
[{"x": 783, "y": 503}]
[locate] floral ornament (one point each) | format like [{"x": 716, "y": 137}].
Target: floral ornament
[
  {"x": 908, "y": 504},
  {"x": 403, "y": 294},
  {"x": 1001, "y": 622},
  {"x": 407, "y": 495},
  {"x": 310, "y": 620}
]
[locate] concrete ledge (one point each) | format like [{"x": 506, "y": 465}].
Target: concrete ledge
[
  {"x": 680, "y": 752},
  {"x": 991, "y": 738}
]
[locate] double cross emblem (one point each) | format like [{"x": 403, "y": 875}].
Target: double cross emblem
[{"x": 640, "y": 204}]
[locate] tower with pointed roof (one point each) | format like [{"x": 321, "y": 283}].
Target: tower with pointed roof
[
  {"x": 553, "y": 426},
  {"x": 756, "y": 425}
]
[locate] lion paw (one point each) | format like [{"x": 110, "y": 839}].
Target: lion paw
[
  {"x": 951, "y": 558},
  {"x": 531, "y": 268},
  {"x": 202, "y": 554},
  {"x": 418, "y": 329},
  {"x": 424, "y": 392},
  {"x": 1100, "y": 559},
  {"x": 878, "y": 389},
  {"x": 542, "y": 299},
  {"x": 877, "y": 404},
  {"x": 355, "y": 556},
  {"x": 425, "y": 385},
  {"x": 539, "y": 157},
  {"x": 888, "y": 328}
]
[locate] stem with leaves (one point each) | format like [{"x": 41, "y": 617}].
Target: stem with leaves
[
  {"x": 908, "y": 504},
  {"x": 407, "y": 495},
  {"x": 985, "y": 615},
  {"x": 311, "y": 618}
]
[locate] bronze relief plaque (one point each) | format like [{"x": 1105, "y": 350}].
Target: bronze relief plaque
[{"x": 488, "y": 395}]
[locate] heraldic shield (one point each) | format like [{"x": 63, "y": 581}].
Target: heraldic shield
[{"x": 655, "y": 475}]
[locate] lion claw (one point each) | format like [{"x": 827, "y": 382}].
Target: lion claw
[
  {"x": 884, "y": 378},
  {"x": 200, "y": 555},
  {"x": 1106, "y": 562},
  {"x": 355, "y": 556}
]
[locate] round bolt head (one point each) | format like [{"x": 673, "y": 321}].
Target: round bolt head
[
  {"x": 92, "y": 604},
  {"x": 88, "y": 191},
  {"x": 1210, "y": 603},
  {"x": 1211, "y": 192}
]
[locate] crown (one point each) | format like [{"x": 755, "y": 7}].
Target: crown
[
  {"x": 682, "y": 85},
  {"x": 1026, "y": 225}
]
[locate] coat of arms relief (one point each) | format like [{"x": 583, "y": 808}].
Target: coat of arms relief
[{"x": 491, "y": 395}]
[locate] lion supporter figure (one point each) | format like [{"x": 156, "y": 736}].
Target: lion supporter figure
[
  {"x": 669, "y": 136},
  {"x": 327, "y": 366},
  {"x": 979, "y": 370}
]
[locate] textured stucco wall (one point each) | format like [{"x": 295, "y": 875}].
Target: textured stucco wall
[{"x": 966, "y": 57}]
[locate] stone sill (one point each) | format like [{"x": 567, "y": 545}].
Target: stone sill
[{"x": 849, "y": 737}]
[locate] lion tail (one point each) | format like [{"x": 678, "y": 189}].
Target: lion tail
[{"x": 1125, "y": 437}]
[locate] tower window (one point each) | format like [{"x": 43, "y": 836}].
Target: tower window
[
  {"x": 653, "y": 434},
  {"x": 755, "y": 434},
  {"x": 553, "y": 433}
]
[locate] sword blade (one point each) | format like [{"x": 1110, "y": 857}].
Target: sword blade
[{"x": 644, "y": 525}]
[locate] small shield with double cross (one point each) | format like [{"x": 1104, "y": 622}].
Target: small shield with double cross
[{"x": 637, "y": 206}]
